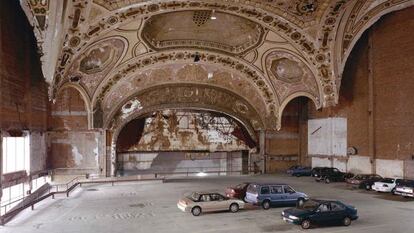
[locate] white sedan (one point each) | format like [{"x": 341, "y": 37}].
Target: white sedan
[
  {"x": 199, "y": 202},
  {"x": 386, "y": 185}
]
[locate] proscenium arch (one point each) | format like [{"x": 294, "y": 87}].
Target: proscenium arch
[
  {"x": 252, "y": 113},
  {"x": 111, "y": 157},
  {"x": 116, "y": 131},
  {"x": 246, "y": 70},
  {"x": 85, "y": 98}
]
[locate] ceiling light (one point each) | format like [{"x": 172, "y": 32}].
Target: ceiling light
[
  {"x": 213, "y": 15},
  {"x": 196, "y": 57}
]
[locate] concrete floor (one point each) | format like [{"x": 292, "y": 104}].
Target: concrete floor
[{"x": 151, "y": 207}]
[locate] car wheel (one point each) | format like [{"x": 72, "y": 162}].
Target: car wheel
[
  {"x": 306, "y": 224},
  {"x": 196, "y": 211},
  {"x": 301, "y": 201},
  {"x": 234, "y": 207},
  {"x": 367, "y": 187},
  {"x": 346, "y": 221},
  {"x": 297, "y": 175},
  {"x": 327, "y": 180},
  {"x": 266, "y": 205}
]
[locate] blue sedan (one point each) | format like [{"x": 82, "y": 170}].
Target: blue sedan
[
  {"x": 299, "y": 171},
  {"x": 320, "y": 212}
]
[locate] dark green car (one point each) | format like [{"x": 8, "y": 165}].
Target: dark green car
[{"x": 320, "y": 212}]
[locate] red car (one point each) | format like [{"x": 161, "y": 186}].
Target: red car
[{"x": 238, "y": 191}]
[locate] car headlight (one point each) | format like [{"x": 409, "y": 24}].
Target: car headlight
[
  {"x": 283, "y": 212},
  {"x": 293, "y": 217}
]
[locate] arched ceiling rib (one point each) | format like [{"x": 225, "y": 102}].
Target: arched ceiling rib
[{"x": 282, "y": 48}]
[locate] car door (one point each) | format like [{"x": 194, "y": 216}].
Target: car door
[
  {"x": 276, "y": 194},
  {"x": 290, "y": 195},
  {"x": 264, "y": 193},
  {"x": 322, "y": 214},
  {"x": 205, "y": 203},
  {"x": 338, "y": 212},
  {"x": 218, "y": 202}
]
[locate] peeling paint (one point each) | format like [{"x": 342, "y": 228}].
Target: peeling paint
[{"x": 77, "y": 157}]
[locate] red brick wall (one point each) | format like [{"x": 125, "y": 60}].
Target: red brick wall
[
  {"x": 388, "y": 49},
  {"x": 69, "y": 111},
  {"x": 392, "y": 56},
  {"x": 23, "y": 98},
  {"x": 282, "y": 147}
]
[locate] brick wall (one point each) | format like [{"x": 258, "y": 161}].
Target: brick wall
[
  {"x": 23, "y": 98},
  {"x": 384, "y": 54},
  {"x": 282, "y": 148}
]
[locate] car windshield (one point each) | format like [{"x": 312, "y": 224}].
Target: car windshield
[
  {"x": 194, "y": 196},
  {"x": 361, "y": 177},
  {"x": 252, "y": 189},
  {"x": 406, "y": 182},
  {"x": 309, "y": 205},
  {"x": 387, "y": 180}
]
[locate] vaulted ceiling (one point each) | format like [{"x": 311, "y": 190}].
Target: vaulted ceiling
[{"x": 254, "y": 55}]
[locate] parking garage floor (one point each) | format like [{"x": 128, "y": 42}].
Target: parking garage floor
[{"x": 151, "y": 207}]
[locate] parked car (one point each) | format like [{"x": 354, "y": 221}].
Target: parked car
[
  {"x": 405, "y": 188},
  {"x": 267, "y": 195},
  {"x": 290, "y": 170},
  {"x": 386, "y": 185},
  {"x": 299, "y": 171},
  {"x": 320, "y": 212},
  {"x": 316, "y": 171},
  {"x": 369, "y": 182},
  {"x": 199, "y": 202},
  {"x": 238, "y": 191},
  {"x": 363, "y": 181},
  {"x": 332, "y": 175}
]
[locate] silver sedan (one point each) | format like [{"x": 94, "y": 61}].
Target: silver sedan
[{"x": 199, "y": 202}]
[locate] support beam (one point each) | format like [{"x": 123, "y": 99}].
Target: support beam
[
  {"x": 371, "y": 107},
  {"x": 262, "y": 143}
]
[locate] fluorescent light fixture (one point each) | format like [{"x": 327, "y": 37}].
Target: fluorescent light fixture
[
  {"x": 201, "y": 174},
  {"x": 213, "y": 15}
]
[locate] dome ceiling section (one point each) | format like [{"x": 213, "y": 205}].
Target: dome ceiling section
[
  {"x": 196, "y": 29},
  {"x": 113, "y": 20},
  {"x": 291, "y": 76},
  {"x": 93, "y": 64},
  {"x": 300, "y": 12}
]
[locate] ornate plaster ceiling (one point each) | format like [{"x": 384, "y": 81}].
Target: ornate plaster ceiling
[
  {"x": 263, "y": 52},
  {"x": 195, "y": 29}
]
